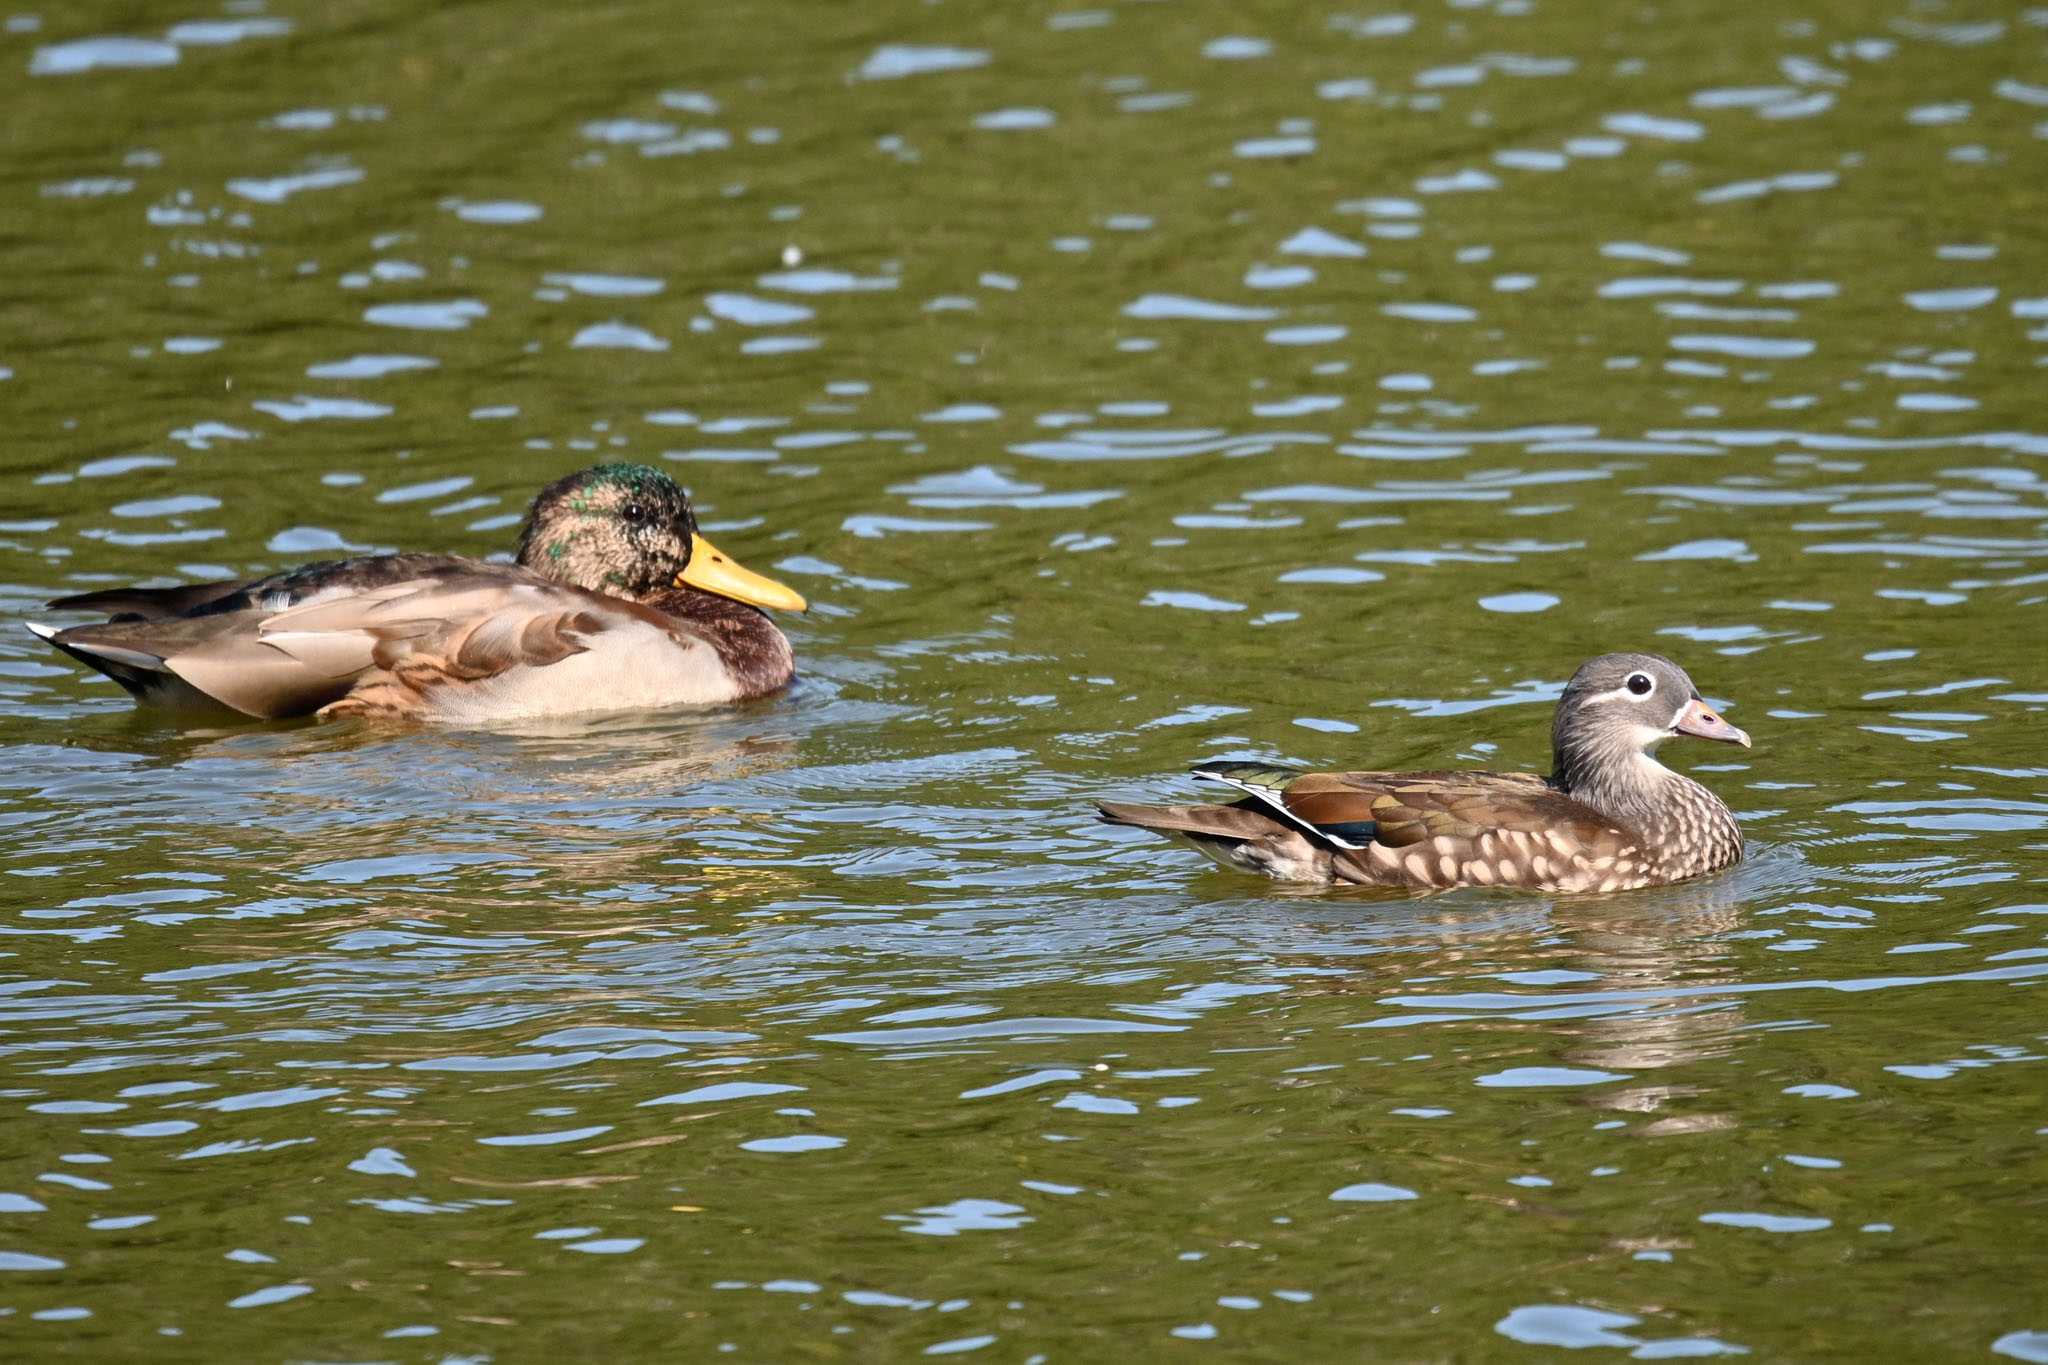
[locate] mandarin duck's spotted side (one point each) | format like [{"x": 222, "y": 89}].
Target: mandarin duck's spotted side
[
  {"x": 1610, "y": 817},
  {"x": 615, "y": 601}
]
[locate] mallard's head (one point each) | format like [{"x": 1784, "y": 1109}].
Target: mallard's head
[{"x": 628, "y": 530}]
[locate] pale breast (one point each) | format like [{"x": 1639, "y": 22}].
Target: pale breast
[{"x": 630, "y": 667}]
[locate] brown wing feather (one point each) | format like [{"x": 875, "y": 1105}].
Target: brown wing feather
[
  {"x": 517, "y": 634},
  {"x": 1413, "y": 807}
]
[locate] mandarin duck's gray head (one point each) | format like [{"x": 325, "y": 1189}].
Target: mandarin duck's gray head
[
  {"x": 618, "y": 528},
  {"x": 1620, "y": 707}
]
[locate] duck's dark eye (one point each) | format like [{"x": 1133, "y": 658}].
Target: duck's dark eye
[
  {"x": 1641, "y": 684},
  {"x": 637, "y": 513}
]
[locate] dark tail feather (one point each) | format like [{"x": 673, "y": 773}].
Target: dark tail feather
[
  {"x": 147, "y": 604},
  {"x": 1237, "y": 823},
  {"x": 1242, "y": 837},
  {"x": 141, "y": 674}
]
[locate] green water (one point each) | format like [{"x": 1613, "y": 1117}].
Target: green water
[{"x": 1127, "y": 387}]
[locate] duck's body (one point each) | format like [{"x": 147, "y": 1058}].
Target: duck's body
[
  {"x": 604, "y": 611},
  {"x": 1610, "y": 818}
]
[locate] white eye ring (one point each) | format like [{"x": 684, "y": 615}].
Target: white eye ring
[{"x": 1641, "y": 685}]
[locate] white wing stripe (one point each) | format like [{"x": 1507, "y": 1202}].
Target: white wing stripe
[{"x": 1275, "y": 801}]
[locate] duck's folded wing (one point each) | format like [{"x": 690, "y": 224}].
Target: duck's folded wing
[
  {"x": 214, "y": 653},
  {"x": 230, "y": 656},
  {"x": 458, "y": 630},
  {"x": 301, "y": 640},
  {"x": 1400, "y": 810}
]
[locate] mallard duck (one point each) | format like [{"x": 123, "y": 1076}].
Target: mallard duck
[
  {"x": 1609, "y": 817},
  {"x": 614, "y": 602}
]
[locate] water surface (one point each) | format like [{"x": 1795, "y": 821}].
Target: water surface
[{"x": 1127, "y": 386}]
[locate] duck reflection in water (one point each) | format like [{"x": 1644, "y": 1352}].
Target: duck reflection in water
[
  {"x": 1635, "y": 988},
  {"x": 611, "y": 821},
  {"x": 1666, "y": 993}
]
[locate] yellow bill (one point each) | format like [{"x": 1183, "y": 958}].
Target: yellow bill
[{"x": 712, "y": 571}]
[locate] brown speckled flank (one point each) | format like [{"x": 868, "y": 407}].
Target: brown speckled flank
[{"x": 1610, "y": 817}]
